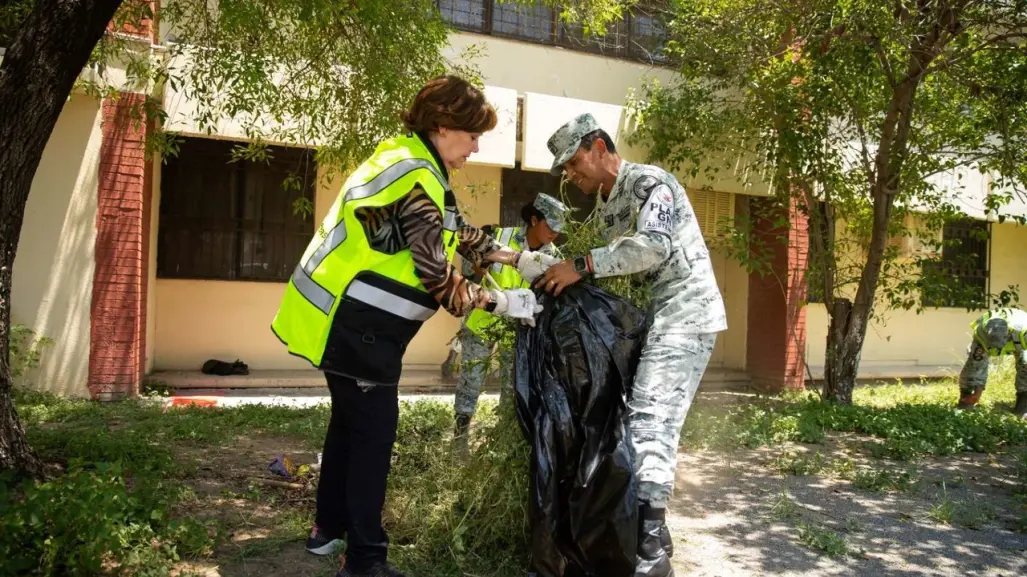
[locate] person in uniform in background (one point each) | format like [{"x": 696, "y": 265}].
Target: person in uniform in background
[
  {"x": 651, "y": 230},
  {"x": 451, "y": 366},
  {"x": 995, "y": 333},
  {"x": 377, "y": 268},
  {"x": 543, "y": 222}
]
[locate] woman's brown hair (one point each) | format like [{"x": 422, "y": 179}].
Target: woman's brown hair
[{"x": 450, "y": 102}]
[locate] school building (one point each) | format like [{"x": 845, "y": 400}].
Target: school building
[{"x": 142, "y": 269}]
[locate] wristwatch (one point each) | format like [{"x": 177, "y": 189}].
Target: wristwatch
[{"x": 581, "y": 266}]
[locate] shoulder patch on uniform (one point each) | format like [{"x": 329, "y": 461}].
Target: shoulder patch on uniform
[
  {"x": 644, "y": 185},
  {"x": 657, "y": 214}
]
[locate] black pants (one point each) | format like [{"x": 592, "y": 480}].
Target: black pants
[{"x": 355, "y": 468}]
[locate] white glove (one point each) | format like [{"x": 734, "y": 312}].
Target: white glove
[
  {"x": 516, "y": 304},
  {"x": 532, "y": 265}
]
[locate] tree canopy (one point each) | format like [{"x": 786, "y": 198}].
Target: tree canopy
[
  {"x": 859, "y": 105},
  {"x": 320, "y": 73}
]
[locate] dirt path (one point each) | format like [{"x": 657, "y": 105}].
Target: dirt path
[
  {"x": 733, "y": 517},
  {"x": 734, "y": 514},
  {"x": 265, "y": 526}
]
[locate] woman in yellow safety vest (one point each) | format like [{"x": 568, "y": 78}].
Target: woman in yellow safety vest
[{"x": 378, "y": 267}]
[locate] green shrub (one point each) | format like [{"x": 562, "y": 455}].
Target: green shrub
[
  {"x": 85, "y": 521},
  {"x": 26, "y": 349}
]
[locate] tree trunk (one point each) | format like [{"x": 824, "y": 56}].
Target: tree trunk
[
  {"x": 15, "y": 452},
  {"x": 38, "y": 72},
  {"x": 843, "y": 353}
]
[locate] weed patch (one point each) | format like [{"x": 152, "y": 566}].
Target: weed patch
[
  {"x": 969, "y": 513},
  {"x": 783, "y": 508},
  {"x": 791, "y": 463},
  {"x": 908, "y": 421},
  {"x": 1021, "y": 472},
  {"x": 884, "y": 479},
  {"x": 129, "y": 466},
  {"x": 823, "y": 539}
]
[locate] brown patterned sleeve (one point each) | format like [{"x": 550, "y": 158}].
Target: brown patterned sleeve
[
  {"x": 474, "y": 244},
  {"x": 421, "y": 224}
]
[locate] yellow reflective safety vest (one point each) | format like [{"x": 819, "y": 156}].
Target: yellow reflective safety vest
[
  {"x": 349, "y": 308},
  {"x": 478, "y": 320},
  {"x": 1017, "y": 320}
]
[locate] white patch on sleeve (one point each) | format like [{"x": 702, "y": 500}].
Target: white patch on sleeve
[{"x": 657, "y": 212}]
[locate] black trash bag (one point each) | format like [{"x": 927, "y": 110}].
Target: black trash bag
[
  {"x": 224, "y": 368},
  {"x": 572, "y": 376}
]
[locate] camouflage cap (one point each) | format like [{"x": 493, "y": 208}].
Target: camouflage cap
[
  {"x": 553, "y": 210},
  {"x": 994, "y": 333},
  {"x": 566, "y": 140}
]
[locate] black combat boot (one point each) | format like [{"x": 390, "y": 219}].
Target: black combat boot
[
  {"x": 968, "y": 398},
  {"x": 1020, "y": 409},
  {"x": 654, "y": 544}
]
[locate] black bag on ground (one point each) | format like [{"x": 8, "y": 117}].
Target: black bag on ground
[
  {"x": 224, "y": 369},
  {"x": 572, "y": 377}
]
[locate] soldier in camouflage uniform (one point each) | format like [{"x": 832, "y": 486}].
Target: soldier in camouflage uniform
[
  {"x": 651, "y": 231},
  {"x": 543, "y": 222},
  {"x": 996, "y": 333}
]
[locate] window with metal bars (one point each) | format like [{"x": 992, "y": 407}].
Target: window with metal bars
[
  {"x": 641, "y": 35},
  {"x": 466, "y": 14},
  {"x": 960, "y": 278},
  {"x": 225, "y": 220}
]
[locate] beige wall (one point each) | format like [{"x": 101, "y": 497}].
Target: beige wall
[
  {"x": 151, "y": 270},
  {"x": 527, "y": 67},
  {"x": 729, "y": 351},
  {"x": 936, "y": 338},
  {"x": 53, "y": 271},
  {"x": 198, "y": 320}
]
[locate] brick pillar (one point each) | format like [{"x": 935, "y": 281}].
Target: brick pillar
[
  {"x": 118, "y": 331},
  {"x": 138, "y": 24},
  {"x": 777, "y": 317}
]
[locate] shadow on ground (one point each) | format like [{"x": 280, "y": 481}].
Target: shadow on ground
[
  {"x": 735, "y": 515},
  {"x": 262, "y": 527}
]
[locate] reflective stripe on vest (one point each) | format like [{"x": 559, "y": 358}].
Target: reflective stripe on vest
[
  {"x": 318, "y": 295},
  {"x": 313, "y": 292},
  {"x": 376, "y": 297},
  {"x": 337, "y": 235},
  {"x": 449, "y": 221}
]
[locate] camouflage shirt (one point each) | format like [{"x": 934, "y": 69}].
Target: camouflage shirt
[{"x": 651, "y": 230}]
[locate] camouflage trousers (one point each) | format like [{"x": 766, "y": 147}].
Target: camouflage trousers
[
  {"x": 666, "y": 381},
  {"x": 975, "y": 369},
  {"x": 475, "y": 366}
]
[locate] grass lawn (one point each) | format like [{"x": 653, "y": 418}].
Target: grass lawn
[{"x": 149, "y": 491}]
